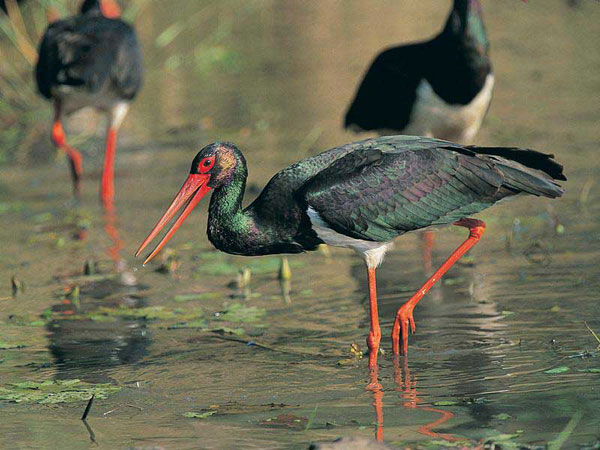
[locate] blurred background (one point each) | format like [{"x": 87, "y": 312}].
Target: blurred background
[{"x": 502, "y": 352}]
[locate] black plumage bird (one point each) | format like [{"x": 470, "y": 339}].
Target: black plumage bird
[
  {"x": 91, "y": 59},
  {"x": 440, "y": 88},
  {"x": 361, "y": 196}
]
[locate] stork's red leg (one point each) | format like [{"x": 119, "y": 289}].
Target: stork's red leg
[
  {"x": 427, "y": 237},
  {"x": 375, "y": 332},
  {"x": 107, "y": 189},
  {"x": 60, "y": 140},
  {"x": 404, "y": 316}
]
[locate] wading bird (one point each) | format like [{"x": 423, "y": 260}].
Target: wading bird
[
  {"x": 361, "y": 196},
  {"x": 91, "y": 59},
  {"x": 439, "y": 88}
]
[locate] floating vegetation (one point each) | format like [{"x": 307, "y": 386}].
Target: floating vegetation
[
  {"x": 8, "y": 207},
  {"x": 169, "y": 261},
  {"x": 561, "y": 369},
  {"x": 25, "y": 321},
  {"x": 195, "y": 415},
  {"x": 55, "y": 391},
  {"x": 216, "y": 263},
  {"x": 11, "y": 345},
  {"x": 198, "y": 296},
  {"x": 17, "y": 286},
  {"x": 240, "y": 313},
  {"x": 593, "y": 333},
  {"x": 286, "y": 421},
  {"x": 285, "y": 273}
]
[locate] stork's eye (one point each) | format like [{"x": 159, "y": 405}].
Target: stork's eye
[{"x": 206, "y": 164}]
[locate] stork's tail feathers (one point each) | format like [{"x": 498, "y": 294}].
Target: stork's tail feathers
[{"x": 526, "y": 171}]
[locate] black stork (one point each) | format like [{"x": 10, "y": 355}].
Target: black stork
[
  {"x": 91, "y": 59},
  {"x": 361, "y": 195},
  {"x": 439, "y": 88}
]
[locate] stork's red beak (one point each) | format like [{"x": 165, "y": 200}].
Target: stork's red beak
[{"x": 195, "y": 187}]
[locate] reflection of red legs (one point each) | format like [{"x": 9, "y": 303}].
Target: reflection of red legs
[
  {"x": 60, "y": 140},
  {"x": 107, "y": 189},
  {"x": 110, "y": 226},
  {"x": 375, "y": 332},
  {"x": 428, "y": 239},
  {"x": 404, "y": 316},
  {"x": 408, "y": 386},
  {"x": 375, "y": 387}
]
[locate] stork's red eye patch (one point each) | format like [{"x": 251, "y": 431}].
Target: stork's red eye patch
[{"x": 206, "y": 164}]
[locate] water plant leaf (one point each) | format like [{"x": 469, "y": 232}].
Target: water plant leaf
[
  {"x": 195, "y": 415},
  {"x": 560, "y": 369},
  {"x": 502, "y": 416},
  {"x": 229, "y": 330},
  {"x": 237, "y": 312},
  {"x": 169, "y": 34},
  {"x": 214, "y": 263},
  {"x": 10, "y": 345},
  {"x": 446, "y": 403},
  {"x": 201, "y": 324},
  {"x": 591, "y": 370},
  {"x": 195, "y": 296},
  {"x": 55, "y": 391}
]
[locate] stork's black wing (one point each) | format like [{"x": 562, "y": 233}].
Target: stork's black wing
[{"x": 382, "y": 192}]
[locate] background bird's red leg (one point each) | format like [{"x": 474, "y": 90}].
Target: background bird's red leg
[
  {"x": 107, "y": 188},
  {"x": 60, "y": 140},
  {"x": 375, "y": 332},
  {"x": 115, "y": 118},
  {"x": 427, "y": 237},
  {"x": 404, "y": 316}
]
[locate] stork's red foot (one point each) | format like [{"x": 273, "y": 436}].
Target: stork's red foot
[
  {"x": 373, "y": 340},
  {"x": 404, "y": 319}
]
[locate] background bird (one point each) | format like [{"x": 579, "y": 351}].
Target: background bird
[
  {"x": 361, "y": 196},
  {"x": 91, "y": 59},
  {"x": 439, "y": 88}
]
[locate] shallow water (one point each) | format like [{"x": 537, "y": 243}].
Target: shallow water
[{"x": 501, "y": 350}]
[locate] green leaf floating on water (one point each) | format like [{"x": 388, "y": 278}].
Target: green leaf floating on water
[
  {"x": 201, "y": 324},
  {"x": 592, "y": 370},
  {"x": 240, "y": 313},
  {"x": 10, "y": 345},
  {"x": 215, "y": 263},
  {"x": 199, "y": 296},
  {"x": 446, "y": 403},
  {"x": 195, "y": 415},
  {"x": 149, "y": 313},
  {"x": 55, "y": 391},
  {"x": 561, "y": 369}
]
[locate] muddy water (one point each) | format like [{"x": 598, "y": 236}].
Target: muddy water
[{"x": 501, "y": 350}]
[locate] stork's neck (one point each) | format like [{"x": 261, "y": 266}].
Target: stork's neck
[
  {"x": 466, "y": 20},
  {"x": 230, "y": 228}
]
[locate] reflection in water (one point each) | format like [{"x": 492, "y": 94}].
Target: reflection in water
[
  {"x": 375, "y": 387},
  {"x": 114, "y": 251},
  {"x": 79, "y": 345},
  {"x": 407, "y": 385}
]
